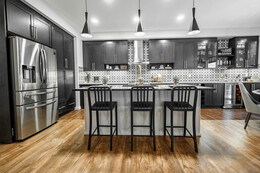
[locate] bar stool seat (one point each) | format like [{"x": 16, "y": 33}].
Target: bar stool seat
[
  {"x": 179, "y": 106},
  {"x": 142, "y": 106},
  {"x": 103, "y": 106}
]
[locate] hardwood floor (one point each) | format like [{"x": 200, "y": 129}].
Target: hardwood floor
[{"x": 223, "y": 147}]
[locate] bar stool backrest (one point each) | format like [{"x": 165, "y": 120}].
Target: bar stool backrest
[
  {"x": 142, "y": 94},
  {"x": 102, "y": 95},
  {"x": 184, "y": 94}
]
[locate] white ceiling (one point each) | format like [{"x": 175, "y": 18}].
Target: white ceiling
[{"x": 158, "y": 15}]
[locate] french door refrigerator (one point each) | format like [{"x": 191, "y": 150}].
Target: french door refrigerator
[{"x": 35, "y": 86}]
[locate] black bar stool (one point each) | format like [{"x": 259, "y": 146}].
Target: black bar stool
[
  {"x": 142, "y": 99},
  {"x": 103, "y": 102},
  {"x": 182, "y": 100}
]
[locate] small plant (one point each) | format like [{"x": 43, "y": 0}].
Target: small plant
[{"x": 176, "y": 80}]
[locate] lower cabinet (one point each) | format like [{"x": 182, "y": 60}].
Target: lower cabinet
[
  {"x": 213, "y": 98},
  {"x": 66, "y": 95}
]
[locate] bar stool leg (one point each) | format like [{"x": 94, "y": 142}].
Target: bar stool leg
[
  {"x": 90, "y": 129},
  {"x": 164, "y": 124},
  {"x": 171, "y": 130},
  {"x": 111, "y": 129},
  {"x": 194, "y": 131},
  {"x": 116, "y": 122},
  {"x": 151, "y": 123},
  {"x": 154, "y": 143},
  {"x": 185, "y": 123},
  {"x": 97, "y": 115},
  {"x": 132, "y": 130}
]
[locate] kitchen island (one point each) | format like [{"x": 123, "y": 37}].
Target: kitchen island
[{"x": 121, "y": 94}]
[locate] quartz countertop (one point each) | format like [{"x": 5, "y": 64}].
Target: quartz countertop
[
  {"x": 169, "y": 83},
  {"x": 128, "y": 87}
]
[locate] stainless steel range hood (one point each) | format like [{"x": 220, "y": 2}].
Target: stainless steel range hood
[{"x": 138, "y": 53}]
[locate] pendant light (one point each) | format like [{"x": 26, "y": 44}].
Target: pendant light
[
  {"x": 194, "y": 28},
  {"x": 139, "y": 30},
  {"x": 86, "y": 31}
]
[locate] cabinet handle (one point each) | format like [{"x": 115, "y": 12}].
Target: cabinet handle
[
  {"x": 32, "y": 31},
  {"x": 36, "y": 33},
  {"x": 65, "y": 75},
  {"x": 73, "y": 103},
  {"x": 66, "y": 63},
  {"x": 253, "y": 87},
  {"x": 93, "y": 66},
  {"x": 62, "y": 107},
  {"x": 216, "y": 88}
]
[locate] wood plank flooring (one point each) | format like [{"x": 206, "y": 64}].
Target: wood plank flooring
[{"x": 223, "y": 147}]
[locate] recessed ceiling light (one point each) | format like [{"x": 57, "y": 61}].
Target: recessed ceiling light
[
  {"x": 95, "y": 21},
  {"x": 180, "y": 17},
  {"x": 109, "y": 1}
]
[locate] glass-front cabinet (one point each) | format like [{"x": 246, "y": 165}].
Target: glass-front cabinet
[{"x": 246, "y": 51}]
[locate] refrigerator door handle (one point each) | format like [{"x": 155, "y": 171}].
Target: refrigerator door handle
[
  {"x": 40, "y": 93},
  {"x": 45, "y": 66},
  {"x": 41, "y": 64},
  {"x": 38, "y": 106}
]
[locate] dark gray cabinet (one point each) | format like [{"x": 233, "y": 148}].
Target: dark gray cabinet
[
  {"x": 42, "y": 30},
  {"x": 64, "y": 45},
  {"x": 19, "y": 19},
  {"x": 23, "y": 21},
  {"x": 213, "y": 98},
  {"x": 185, "y": 54},
  {"x": 179, "y": 54},
  {"x": 115, "y": 52},
  {"x": 161, "y": 51},
  {"x": 246, "y": 51},
  {"x": 93, "y": 56}
]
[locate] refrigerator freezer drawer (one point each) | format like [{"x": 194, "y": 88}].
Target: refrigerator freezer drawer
[
  {"x": 33, "y": 118},
  {"x": 29, "y": 97}
]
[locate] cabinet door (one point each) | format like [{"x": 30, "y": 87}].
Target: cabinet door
[
  {"x": 122, "y": 52},
  {"x": 167, "y": 51},
  {"x": 110, "y": 52},
  {"x": 208, "y": 95},
  {"x": 69, "y": 85},
  {"x": 42, "y": 30},
  {"x": 155, "y": 51},
  {"x": 19, "y": 19},
  {"x": 61, "y": 86},
  {"x": 57, "y": 44},
  {"x": 68, "y": 52},
  {"x": 86, "y": 56},
  {"x": 97, "y": 56},
  {"x": 252, "y": 52},
  {"x": 218, "y": 95},
  {"x": 179, "y": 54},
  {"x": 190, "y": 55}
]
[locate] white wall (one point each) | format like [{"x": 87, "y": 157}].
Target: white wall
[{"x": 49, "y": 13}]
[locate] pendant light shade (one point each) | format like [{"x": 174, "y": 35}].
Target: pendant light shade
[
  {"x": 139, "y": 30},
  {"x": 194, "y": 28},
  {"x": 86, "y": 31}
]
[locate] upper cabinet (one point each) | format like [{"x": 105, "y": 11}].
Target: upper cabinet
[
  {"x": 185, "y": 54},
  {"x": 100, "y": 54},
  {"x": 23, "y": 21},
  {"x": 246, "y": 51},
  {"x": 115, "y": 52},
  {"x": 93, "y": 56},
  {"x": 161, "y": 51}
]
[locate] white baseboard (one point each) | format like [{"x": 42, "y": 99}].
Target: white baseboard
[{"x": 77, "y": 107}]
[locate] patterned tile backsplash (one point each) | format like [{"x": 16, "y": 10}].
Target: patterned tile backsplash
[{"x": 185, "y": 75}]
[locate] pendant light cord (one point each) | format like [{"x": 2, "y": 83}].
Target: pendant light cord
[
  {"x": 193, "y": 3},
  {"x": 139, "y": 4},
  {"x": 86, "y": 3}
]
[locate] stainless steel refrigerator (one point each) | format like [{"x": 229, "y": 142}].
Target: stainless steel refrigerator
[{"x": 35, "y": 86}]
